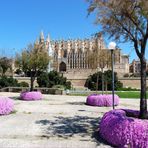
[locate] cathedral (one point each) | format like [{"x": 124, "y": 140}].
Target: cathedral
[{"x": 70, "y": 56}]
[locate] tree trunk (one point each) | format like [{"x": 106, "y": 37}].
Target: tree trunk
[
  {"x": 143, "y": 98},
  {"x": 102, "y": 81},
  {"x": 97, "y": 81},
  {"x": 106, "y": 89},
  {"x": 32, "y": 82}
]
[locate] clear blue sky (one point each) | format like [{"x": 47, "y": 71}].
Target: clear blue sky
[{"x": 22, "y": 20}]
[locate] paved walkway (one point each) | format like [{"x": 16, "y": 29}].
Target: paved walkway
[{"x": 54, "y": 122}]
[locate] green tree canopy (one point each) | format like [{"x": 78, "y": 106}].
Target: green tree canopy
[
  {"x": 91, "y": 82},
  {"x": 51, "y": 79},
  {"x": 8, "y": 82},
  {"x": 5, "y": 64},
  {"x": 34, "y": 59},
  {"x": 100, "y": 58}
]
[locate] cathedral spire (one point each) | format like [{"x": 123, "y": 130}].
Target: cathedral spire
[
  {"x": 37, "y": 41},
  {"x": 48, "y": 38},
  {"x": 41, "y": 37}
]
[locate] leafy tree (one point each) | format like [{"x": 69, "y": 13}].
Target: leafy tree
[
  {"x": 101, "y": 58},
  {"x": 43, "y": 80},
  {"x": 5, "y": 64},
  {"x": 7, "y": 81},
  {"x": 34, "y": 59},
  {"x": 93, "y": 84},
  {"x": 68, "y": 85},
  {"x": 18, "y": 71},
  {"x": 52, "y": 79},
  {"x": 23, "y": 84},
  {"x": 126, "y": 20},
  {"x": 11, "y": 82}
]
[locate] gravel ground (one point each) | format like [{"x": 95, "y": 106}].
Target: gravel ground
[{"x": 55, "y": 122}]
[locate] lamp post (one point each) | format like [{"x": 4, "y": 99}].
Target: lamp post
[{"x": 112, "y": 46}]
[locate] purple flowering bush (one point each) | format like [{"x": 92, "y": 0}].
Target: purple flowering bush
[
  {"x": 6, "y": 105},
  {"x": 30, "y": 96},
  {"x": 122, "y": 131},
  {"x": 102, "y": 100}
]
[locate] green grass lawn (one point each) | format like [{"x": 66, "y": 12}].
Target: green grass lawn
[
  {"x": 129, "y": 94},
  {"x": 121, "y": 94}
]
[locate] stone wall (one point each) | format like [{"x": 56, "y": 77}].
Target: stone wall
[
  {"x": 131, "y": 82},
  {"x": 79, "y": 83},
  {"x": 127, "y": 82}
]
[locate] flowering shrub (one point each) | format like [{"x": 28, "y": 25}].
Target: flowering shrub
[
  {"x": 102, "y": 100},
  {"x": 29, "y": 96},
  {"x": 122, "y": 131},
  {"x": 6, "y": 105}
]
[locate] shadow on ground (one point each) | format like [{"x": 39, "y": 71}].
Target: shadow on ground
[
  {"x": 15, "y": 98},
  {"x": 86, "y": 128},
  {"x": 99, "y": 139},
  {"x": 76, "y": 103},
  {"x": 66, "y": 127}
]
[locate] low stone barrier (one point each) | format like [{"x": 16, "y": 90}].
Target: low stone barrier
[{"x": 44, "y": 90}]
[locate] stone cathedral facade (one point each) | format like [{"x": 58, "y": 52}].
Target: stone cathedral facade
[{"x": 70, "y": 56}]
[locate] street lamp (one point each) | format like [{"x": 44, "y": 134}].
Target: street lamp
[{"x": 112, "y": 47}]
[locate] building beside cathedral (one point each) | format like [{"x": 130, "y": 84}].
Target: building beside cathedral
[
  {"x": 135, "y": 67},
  {"x": 71, "y": 56}
]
